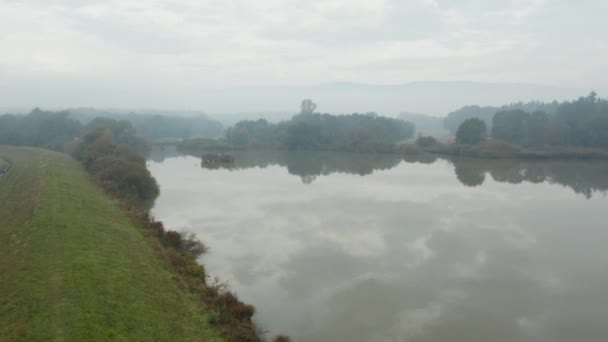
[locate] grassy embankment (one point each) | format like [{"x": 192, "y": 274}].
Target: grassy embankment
[{"x": 74, "y": 267}]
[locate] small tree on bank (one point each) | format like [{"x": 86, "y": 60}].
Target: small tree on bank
[{"x": 472, "y": 131}]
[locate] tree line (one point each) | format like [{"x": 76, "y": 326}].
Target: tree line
[
  {"x": 159, "y": 127},
  {"x": 50, "y": 130},
  {"x": 486, "y": 113},
  {"x": 582, "y": 123},
  {"x": 310, "y": 130}
]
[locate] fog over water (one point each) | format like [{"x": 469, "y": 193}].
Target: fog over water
[{"x": 387, "y": 250}]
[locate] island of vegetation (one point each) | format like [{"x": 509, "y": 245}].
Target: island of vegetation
[
  {"x": 309, "y": 130},
  {"x": 78, "y": 263}
]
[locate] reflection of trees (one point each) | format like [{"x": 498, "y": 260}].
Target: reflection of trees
[
  {"x": 584, "y": 177},
  {"x": 307, "y": 165},
  {"x": 506, "y": 171},
  {"x": 469, "y": 172},
  {"x": 310, "y": 164},
  {"x": 160, "y": 153}
]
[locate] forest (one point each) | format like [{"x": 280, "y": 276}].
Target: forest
[
  {"x": 581, "y": 123},
  {"x": 486, "y": 113}
]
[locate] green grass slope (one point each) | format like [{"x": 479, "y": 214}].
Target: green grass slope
[{"x": 74, "y": 268}]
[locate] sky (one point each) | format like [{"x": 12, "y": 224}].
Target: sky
[{"x": 127, "y": 52}]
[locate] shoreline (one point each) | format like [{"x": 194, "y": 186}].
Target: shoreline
[
  {"x": 499, "y": 150},
  {"x": 487, "y": 150}
]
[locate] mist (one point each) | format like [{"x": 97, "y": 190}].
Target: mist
[{"x": 381, "y": 56}]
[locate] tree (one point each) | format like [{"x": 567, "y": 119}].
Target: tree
[
  {"x": 112, "y": 153},
  {"x": 307, "y": 107},
  {"x": 454, "y": 119},
  {"x": 472, "y": 131},
  {"x": 511, "y": 126},
  {"x": 469, "y": 173}
]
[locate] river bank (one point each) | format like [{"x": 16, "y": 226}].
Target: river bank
[
  {"x": 114, "y": 271},
  {"x": 74, "y": 266},
  {"x": 494, "y": 149}
]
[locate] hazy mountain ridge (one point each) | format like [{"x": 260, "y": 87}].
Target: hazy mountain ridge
[{"x": 435, "y": 98}]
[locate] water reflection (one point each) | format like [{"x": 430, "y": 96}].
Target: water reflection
[
  {"x": 309, "y": 165},
  {"x": 584, "y": 177},
  {"x": 405, "y": 254},
  {"x": 159, "y": 153}
]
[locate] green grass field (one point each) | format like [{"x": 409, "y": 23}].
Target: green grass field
[{"x": 74, "y": 268}]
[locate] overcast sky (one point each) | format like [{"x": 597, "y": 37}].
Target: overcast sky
[{"x": 157, "y": 46}]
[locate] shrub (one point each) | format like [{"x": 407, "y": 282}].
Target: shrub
[
  {"x": 192, "y": 245},
  {"x": 177, "y": 259},
  {"x": 497, "y": 149},
  {"x": 225, "y": 310},
  {"x": 112, "y": 153},
  {"x": 427, "y": 141},
  {"x": 172, "y": 239}
]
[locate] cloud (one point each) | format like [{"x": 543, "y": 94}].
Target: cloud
[
  {"x": 198, "y": 44},
  {"x": 518, "y": 11}
]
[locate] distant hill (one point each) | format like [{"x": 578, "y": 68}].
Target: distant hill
[{"x": 433, "y": 98}]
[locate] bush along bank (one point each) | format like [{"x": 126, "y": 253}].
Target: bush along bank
[
  {"x": 228, "y": 313},
  {"x": 121, "y": 171}
]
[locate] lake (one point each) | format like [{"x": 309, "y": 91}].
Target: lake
[{"x": 353, "y": 247}]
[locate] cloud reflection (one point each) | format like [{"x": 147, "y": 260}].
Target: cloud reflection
[{"x": 405, "y": 254}]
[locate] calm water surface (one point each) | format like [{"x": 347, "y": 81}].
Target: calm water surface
[{"x": 342, "y": 247}]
